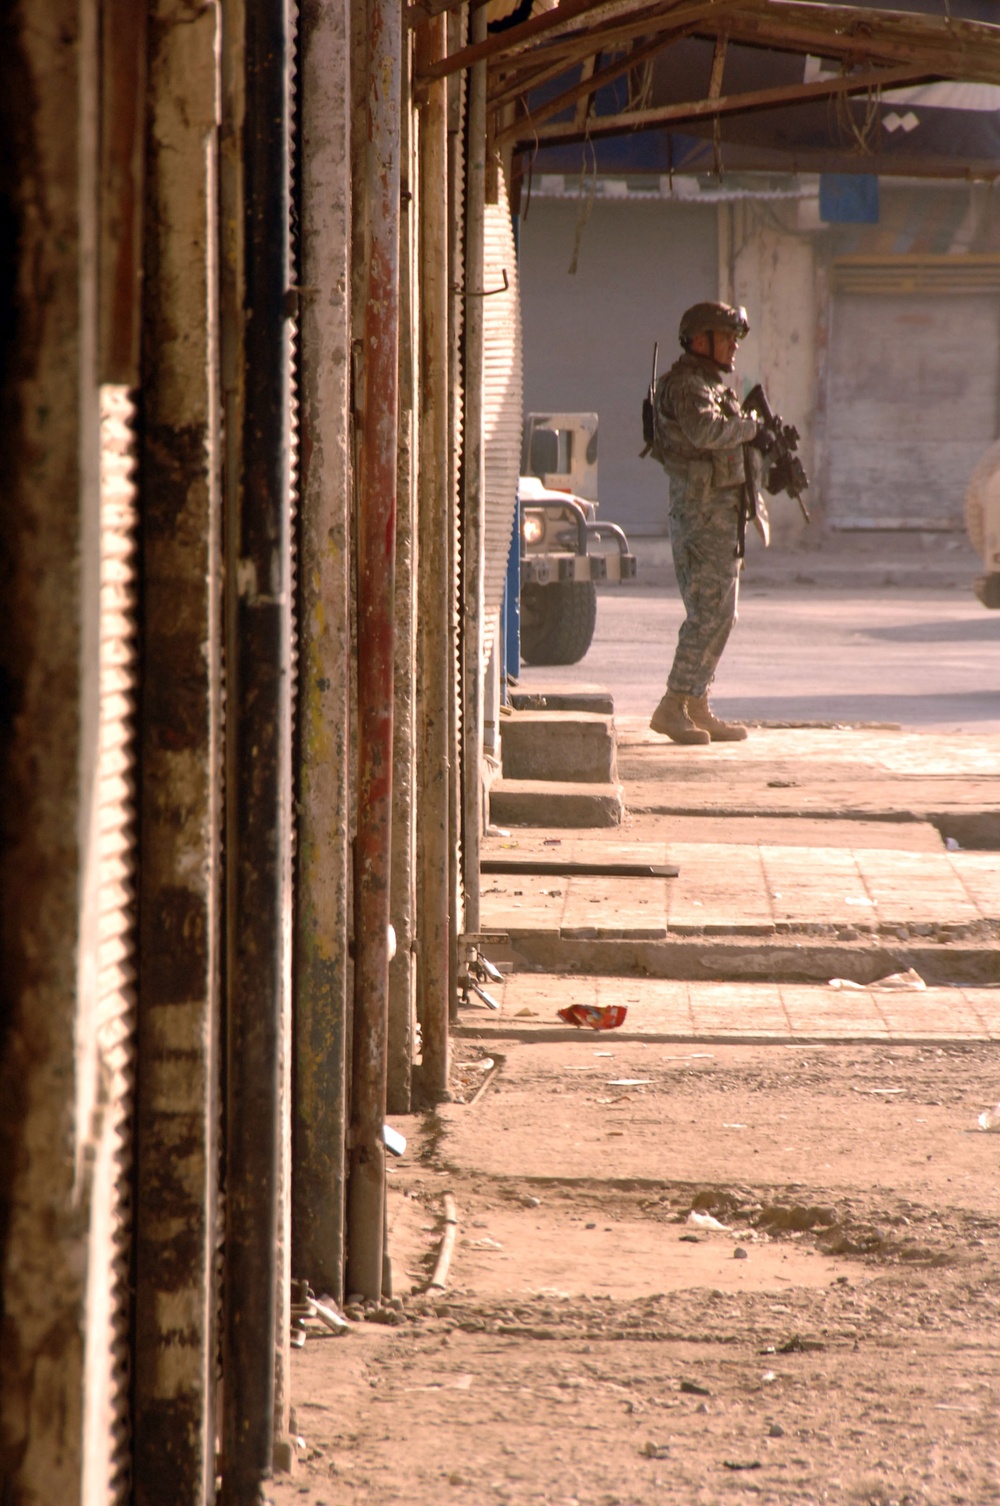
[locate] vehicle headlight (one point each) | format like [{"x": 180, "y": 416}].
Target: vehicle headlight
[{"x": 532, "y": 528}]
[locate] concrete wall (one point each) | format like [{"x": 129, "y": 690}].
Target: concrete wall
[{"x": 588, "y": 338}]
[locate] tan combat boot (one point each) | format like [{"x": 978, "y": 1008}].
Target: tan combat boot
[
  {"x": 671, "y": 718},
  {"x": 719, "y": 731}
]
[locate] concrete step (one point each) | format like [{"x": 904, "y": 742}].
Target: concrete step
[
  {"x": 576, "y": 747},
  {"x": 555, "y": 697},
  {"x": 541, "y": 802},
  {"x": 735, "y": 958}
]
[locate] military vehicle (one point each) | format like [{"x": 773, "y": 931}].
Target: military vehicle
[{"x": 562, "y": 557}]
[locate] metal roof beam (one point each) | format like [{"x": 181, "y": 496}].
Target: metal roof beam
[
  {"x": 524, "y": 132},
  {"x": 520, "y": 37},
  {"x": 588, "y": 85},
  {"x": 953, "y": 49}
]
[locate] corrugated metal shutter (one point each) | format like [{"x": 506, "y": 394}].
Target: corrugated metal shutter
[
  {"x": 107, "y": 1450},
  {"x": 914, "y": 384},
  {"x": 899, "y": 276},
  {"x": 503, "y": 398}
]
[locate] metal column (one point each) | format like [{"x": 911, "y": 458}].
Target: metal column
[
  {"x": 435, "y": 580},
  {"x": 319, "y": 1124},
  {"x": 473, "y": 480},
  {"x": 180, "y": 906},
  {"x": 376, "y": 543},
  {"x": 258, "y": 733}
]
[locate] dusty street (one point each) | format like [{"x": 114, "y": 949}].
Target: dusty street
[
  {"x": 744, "y": 1248},
  {"x": 883, "y": 632},
  {"x": 595, "y": 1346}
]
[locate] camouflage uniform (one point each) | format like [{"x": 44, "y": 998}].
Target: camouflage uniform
[{"x": 700, "y": 433}]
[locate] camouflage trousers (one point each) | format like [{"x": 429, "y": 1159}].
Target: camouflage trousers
[{"x": 703, "y": 539}]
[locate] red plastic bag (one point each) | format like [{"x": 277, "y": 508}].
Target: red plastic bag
[{"x": 594, "y": 1016}]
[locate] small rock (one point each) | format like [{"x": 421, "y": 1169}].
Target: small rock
[
  {"x": 740, "y": 1254},
  {"x": 702, "y": 1406},
  {"x": 776, "y": 1430},
  {"x": 690, "y": 1239},
  {"x": 531, "y": 1202},
  {"x": 386, "y": 1315},
  {"x": 652, "y": 1450},
  {"x": 692, "y": 1388}
]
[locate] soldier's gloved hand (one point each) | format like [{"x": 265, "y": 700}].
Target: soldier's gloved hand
[{"x": 763, "y": 440}]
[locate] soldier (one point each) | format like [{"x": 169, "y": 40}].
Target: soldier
[{"x": 700, "y": 433}]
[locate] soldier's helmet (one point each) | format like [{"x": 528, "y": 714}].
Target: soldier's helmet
[{"x": 701, "y": 318}]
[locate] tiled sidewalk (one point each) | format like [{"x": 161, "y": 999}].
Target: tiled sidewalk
[
  {"x": 755, "y": 1012},
  {"x": 749, "y": 889}
]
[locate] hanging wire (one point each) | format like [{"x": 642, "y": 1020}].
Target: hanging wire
[
  {"x": 863, "y": 136},
  {"x": 588, "y": 189},
  {"x": 531, "y": 162},
  {"x": 640, "y": 86}
]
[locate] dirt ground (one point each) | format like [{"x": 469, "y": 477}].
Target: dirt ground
[{"x": 599, "y": 1344}]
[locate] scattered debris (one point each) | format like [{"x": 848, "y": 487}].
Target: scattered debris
[
  {"x": 989, "y": 1119},
  {"x": 910, "y": 980},
  {"x": 706, "y": 1221},
  {"x": 447, "y": 1246},
  {"x": 798, "y": 1345},
  {"x": 741, "y": 1464},
  {"x": 594, "y": 1016}
]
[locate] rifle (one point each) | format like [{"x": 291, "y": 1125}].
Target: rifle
[
  {"x": 778, "y": 441},
  {"x": 649, "y": 412}
]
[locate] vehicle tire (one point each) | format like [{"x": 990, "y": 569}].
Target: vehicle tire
[{"x": 557, "y": 621}]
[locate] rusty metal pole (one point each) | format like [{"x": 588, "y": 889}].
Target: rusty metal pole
[
  {"x": 180, "y": 793},
  {"x": 319, "y": 1109},
  {"x": 434, "y": 584},
  {"x": 473, "y": 533},
  {"x": 258, "y": 748},
  {"x": 457, "y": 30},
  {"x": 376, "y": 544}
]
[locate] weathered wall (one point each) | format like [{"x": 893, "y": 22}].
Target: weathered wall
[{"x": 49, "y": 683}]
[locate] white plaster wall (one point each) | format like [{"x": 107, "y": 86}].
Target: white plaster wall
[{"x": 588, "y": 337}]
